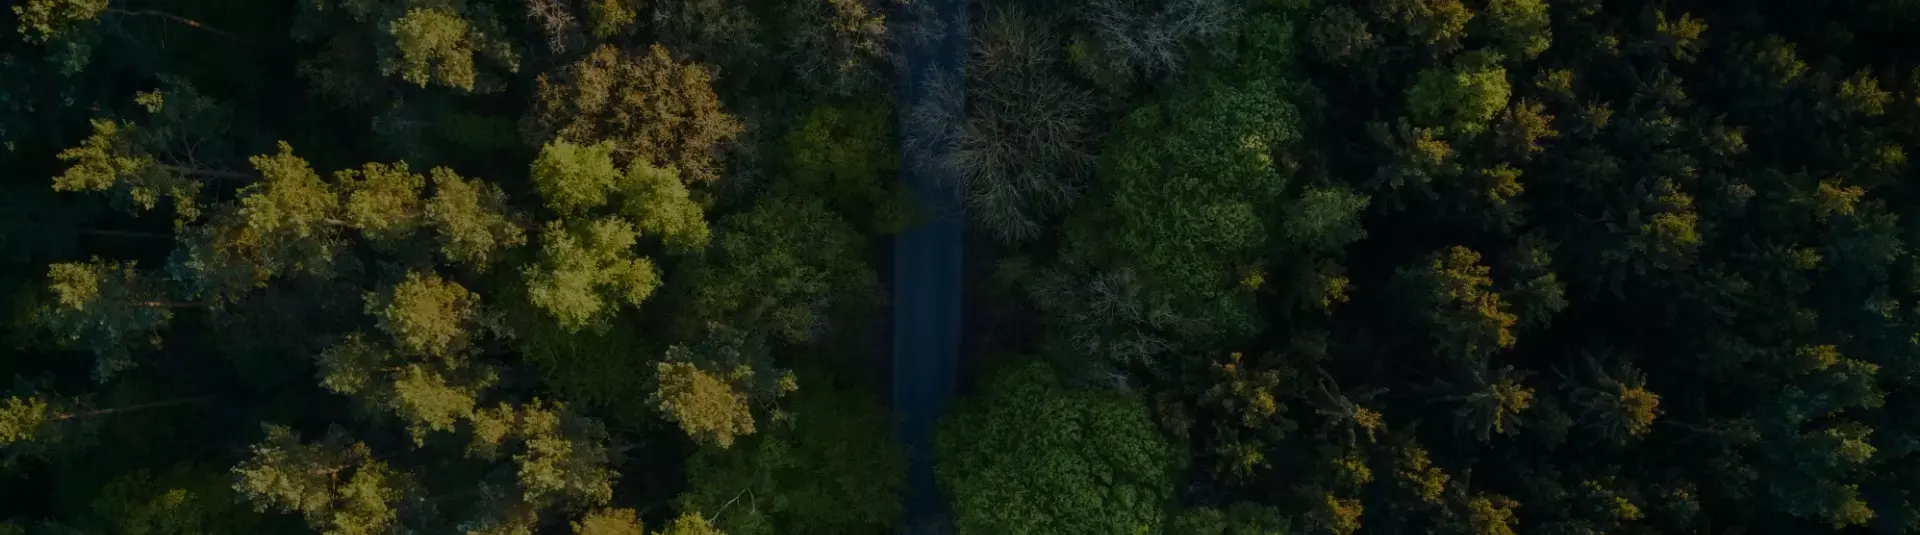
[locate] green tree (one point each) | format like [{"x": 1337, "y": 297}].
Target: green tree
[
  {"x": 471, "y": 220},
  {"x": 784, "y": 267},
  {"x": 334, "y": 483},
  {"x": 586, "y": 271},
  {"x": 383, "y": 201},
  {"x": 847, "y": 154},
  {"x": 1183, "y": 185},
  {"x": 109, "y": 309},
  {"x": 1466, "y": 317},
  {"x": 1461, "y": 98},
  {"x": 832, "y": 468},
  {"x": 453, "y": 44},
  {"x": 39, "y": 424},
  {"x": 1028, "y": 454},
  {"x": 1520, "y": 25},
  {"x": 1241, "y": 518},
  {"x": 185, "y": 499},
  {"x": 608, "y": 522},
  {"x": 713, "y": 389},
  {"x": 573, "y": 178}
]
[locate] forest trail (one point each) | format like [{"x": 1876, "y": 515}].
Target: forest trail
[{"x": 926, "y": 281}]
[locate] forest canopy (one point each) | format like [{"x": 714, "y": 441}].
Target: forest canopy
[{"x": 624, "y": 267}]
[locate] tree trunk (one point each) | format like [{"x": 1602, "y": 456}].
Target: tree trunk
[
  {"x": 176, "y": 305},
  {"x": 209, "y": 173},
  {"x": 134, "y": 408},
  {"x": 126, "y": 234},
  {"x": 175, "y": 18}
]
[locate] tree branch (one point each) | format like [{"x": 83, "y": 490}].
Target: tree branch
[
  {"x": 209, "y": 173},
  {"x": 132, "y": 408}
]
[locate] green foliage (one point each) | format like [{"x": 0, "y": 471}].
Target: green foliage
[
  {"x": 1466, "y": 317},
  {"x": 707, "y": 406},
  {"x": 1183, "y": 183},
  {"x": 712, "y": 390},
  {"x": 1242, "y": 518},
  {"x": 832, "y": 468},
  {"x": 451, "y": 44},
  {"x": 608, "y": 522},
  {"x": 425, "y": 313},
  {"x": 471, "y": 219},
  {"x": 660, "y": 205},
  {"x": 611, "y": 18},
  {"x": 29, "y": 425},
  {"x": 334, "y": 483},
  {"x": 108, "y": 308},
  {"x": 1437, "y": 23},
  {"x": 1340, "y": 36},
  {"x": 46, "y": 20},
  {"x": 1028, "y": 454},
  {"x": 1521, "y": 25},
  {"x": 433, "y": 48},
  {"x": 784, "y": 267},
  {"x": 1462, "y": 98},
  {"x": 572, "y": 177},
  {"x": 383, "y": 201},
  {"x": 847, "y": 155},
  {"x": 584, "y": 273},
  {"x": 690, "y": 523},
  {"x": 185, "y": 499}
]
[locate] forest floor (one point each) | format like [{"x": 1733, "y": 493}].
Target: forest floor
[{"x": 926, "y": 282}]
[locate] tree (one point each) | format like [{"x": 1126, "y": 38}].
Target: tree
[
  {"x": 648, "y": 106},
  {"x": 170, "y": 156},
  {"x": 1012, "y": 133},
  {"x": 1462, "y": 98},
  {"x": 1466, "y": 317},
  {"x": 45, "y": 20},
  {"x": 1150, "y": 38},
  {"x": 453, "y": 44},
  {"x": 1435, "y": 23},
  {"x": 1028, "y": 454},
  {"x": 1616, "y": 405},
  {"x": 848, "y": 155},
  {"x": 383, "y": 201},
  {"x": 832, "y": 467},
  {"x": 585, "y": 272},
  {"x": 784, "y": 267},
  {"x": 713, "y": 389},
  {"x": 1241, "y": 518},
  {"x": 1490, "y": 401},
  {"x": 608, "y": 522},
  {"x": 573, "y": 178},
  {"x": 334, "y": 483},
  {"x": 1520, "y": 25},
  {"x": 1183, "y": 183},
  {"x": 427, "y": 394},
  {"x": 184, "y": 499},
  {"x": 38, "y": 424},
  {"x": 836, "y": 46},
  {"x": 1339, "y": 36},
  {"x": 108, "y": 308},
  {"x": 471, "y": 220},
  {"x": 576, "y": 179}
]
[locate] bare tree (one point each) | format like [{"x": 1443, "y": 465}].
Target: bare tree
[
  {"x": 555, "y": 19},
  {"x": 1012, "y": 133},
  {"x": 1149, "y": 37}
]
